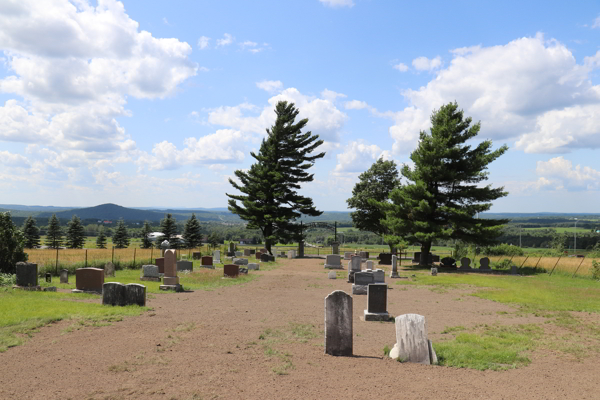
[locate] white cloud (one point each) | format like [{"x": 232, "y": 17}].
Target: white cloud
[
  {"x": 355, "y": 105},
  {"x": 203, "y": 42},
  {"x": 331, "y": 96},
  {"x": 338, "y": 3},
  {"x": 248, "y": 43},
  {"x": 401, "y": 67},
  {"x": 270, "y": 86},
  {"x": 226, "y": 41},
  {"x": 596, "y": 23},
  {"x": 13, "y": 160},
  {"x": 357, "y": 157},
  {"x": 562, "y": 172},
  {"x": 426, "y": 64},
  {"x": 530, "y": 90}
]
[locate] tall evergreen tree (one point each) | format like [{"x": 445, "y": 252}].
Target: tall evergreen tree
[
  {"x": 121, "y": 236},
  {"x": 443, "y": 195},
  {"x": 54, "y": 234},
  {"x": 75, "y": 233},
  {"x": 12, "y": 243},
  {"x": 214, "y": 239},
  {"x": 146, "y": 231},
  {"x": 31, "y": 233},
  {"x": 269, "y": 200},
  {"x": 101, "y": 238},
  {"x": 192, "y": 233},
  {"x": 374, "y": 186},
  {"x": 168, "y": 228}
]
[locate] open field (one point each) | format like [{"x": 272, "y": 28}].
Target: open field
[{"x": 535, "y": 337}]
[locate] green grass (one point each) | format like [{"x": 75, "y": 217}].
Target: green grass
[
  {"x": 23, "y": 312},
  {"x": 494, "y": 347}
]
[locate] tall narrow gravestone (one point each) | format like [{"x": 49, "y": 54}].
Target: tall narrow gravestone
[
  {"x": 353, "y": 267},
  {"x": 338, "y": 324},
  {"x": 170, "y": 280},
  {"x": 217, "y": 257},
  {"x": 394, "y": 273},
  {"x": 412, "y": 344},
  {"x": 376, "y": 303}
]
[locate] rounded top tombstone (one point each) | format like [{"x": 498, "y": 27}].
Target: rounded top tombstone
[{"x": 165, "y": 244}]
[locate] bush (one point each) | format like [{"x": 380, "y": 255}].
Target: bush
[
  {"x": 12, "y": 244},
  {"x": 595, "y": 270},
  {"x": 8, "y": 279},
  {"x": 503, "y": 250}
]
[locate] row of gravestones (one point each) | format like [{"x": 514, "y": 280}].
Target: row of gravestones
[
  {"x": 412, "y": 344},
  {"x": 465, "y": 264}
]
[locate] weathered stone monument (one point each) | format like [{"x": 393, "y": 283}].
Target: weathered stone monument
[
  {"x": 231, "y": 270},
  {"x": 333, "y": 261},
  {"x": 370, "y": 264},
  {"x": 332, "y": 275},
  {"x": 301, "y": 249},
  {"x": 170, "y": 279},
  {"x": 185, "y": 266},
  {"x": 394, "y": 273},
  {"x": 379, "y": 276},
  {"x": 416, "y": 257},
  {"x": 238, "y": 254},
  {"x": 465, "y": 263},
  {"x": 135, "y": 294},
  {"x": 231, "y": 247},
  {"x": 434, "y": 271},
  {"x": 412, "y": 344},
  {"x": 361, "y": 281},
  {"x": 109, "y": 269},
  {"x": 253, "y": 266},
  {"x": 335, "y": 248},
  {"x": 291, "y": 254},
  {"x": 117, "y": 294},
  {"x": 348, "y": 255},
  {"x": 484, "y": 263},
  {"x": 513, "y": 270},
  {"x": 150, "y": 273},
  {"x": 216, "y": 257},
  {"x": 266, "y": 257},
  {"x": 64, "y": 276},
  {"x": 207, "y": 262},
  {"x": 353, "y": 266},
  {"x": 164, "y": 246},
  {"x": 88, "y": 280},
  {"x": 27, "y": 274},
  {"x": 338, "y": 324},
  {"x": 364, "y": 255},
  {"x": 240, "y": 261},
  {"x": 246, "y": 252},
  {"x": 376, "y": 303}
]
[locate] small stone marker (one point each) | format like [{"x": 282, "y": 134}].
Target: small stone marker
[
  {"x": 89, "y": 280},
  {"x": 348, "y": 255},
  {"x": 394, "y": 273},
  {"x": 434, "y": 271},
  {"x": 377, "y": 303},
  {"x": 335, "y": 248},
  {"x": 253, "y": 266},
  {"x": 207, "y": 262},
  {"x": 240, "y": 261},
  {"x": 364, "y": 278},
  {"x": 359, "y": 289},
  {"x": 291, "y": 254},
  {"x": 109, "y": 269},
  {"x": 160, "y": 263},
  {"x": 64, "y": 276},
  {"x": 185, "y": 266},
  {"x": 364, "y": 255},
  {"x": 48, "y": 277},
  {"x": 416, "y": 257},
  {"x": 150, "y": 273},
  {"x": 27, "y": 274},
  {"x": 238, "y": 254},
  {"x": 333, "y": 261},
  {"x": 464, "y": 263},
  {"x": 484, "y": 263},
  {"x": 231, "y": 270},
  {"x": 332, "y": 275},
  {"x": 412, "y": 344},
  {"x": 216, "y": 257},
  {"x": 379, "y": 276},
  {"x": 370, "y": 264},
  {"x": 338, "y": 324},
  {"x": 355, "y": 263},
  {"x": 513, "y": 270}
]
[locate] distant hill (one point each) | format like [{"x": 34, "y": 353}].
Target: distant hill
[{"x": 111, "y": 212}]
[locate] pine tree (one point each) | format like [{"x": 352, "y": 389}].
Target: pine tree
[
  {"x": 192, "y": 233},
  {"x": 269, "y": 199},
  {"x": 101, "y": 238},
  {"x": 214, "y": 239},
  {"x": 12, "y": 243},
  {"x": 374, "y": 186},
  {"x": 54, "y": 234},
  {"x": 121, "y": 237},
  {"x": 168, "y": 228},
  {"x": 443, "y": 197},
  {"x": 75, "y": 233},
  {"x": 146, "y": 231},
  {"x": 31, "y": 232}
]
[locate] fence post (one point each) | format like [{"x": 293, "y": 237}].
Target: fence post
[
  {"x": 536, "y": 264},
  {"x": 578, "y": 267},
  {"x": 523, "y": 262},
  {"x": 134, "y": 249},
  {"x": 151, "y": 251},
  {"x": 86, "y": 258},
  {"x": 113, "y": 255},
  {"x": 555, "y": 264},
  {"x": 56, "y": 267}
]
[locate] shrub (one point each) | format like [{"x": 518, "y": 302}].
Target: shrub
[
  {"x": 503, "y": 250},
  {"x": 595, "y": 270}
]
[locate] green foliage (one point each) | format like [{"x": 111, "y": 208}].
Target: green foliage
[
  {"x": 214, "y": 239},
  {"x": 559, "y": 242},
  {"x": 269, "y": 199},
  {"x": 75, "y": 233},
  {"x": 8, "y": 279},
  {"x": 168, "y": 227},
  {"x": 54, "y": 233},
  {"x": 192, "y": 233},
  {"x": 12, "y": 244},
  {"x": 31, "y": 233},
  {"x": 374, "y": 187},
  {"x": 595, "y": 270},
  {"x": 146, "y": 230},
  {"x": 121, "y": 237},
  {"x": 101, "y": 239},
  {"x": 503, "y": 250},
  {"x": 460, "y": 250},
  {"x": 444, "y": 193}
]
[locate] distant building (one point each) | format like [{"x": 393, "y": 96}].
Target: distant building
[
  {"x": 246, "y": 241},
  {"x": 153, "y": 236}
]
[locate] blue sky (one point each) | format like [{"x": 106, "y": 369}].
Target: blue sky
[{"x": 152, "y": 103}]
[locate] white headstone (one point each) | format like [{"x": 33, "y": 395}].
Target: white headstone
[
  {"x": 332, "y": 275},
  {"x": 411, "y": 339},
  {"x": 216, "y": 257}
]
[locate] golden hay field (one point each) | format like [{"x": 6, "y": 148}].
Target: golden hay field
[{"x": 565, "y": 264}]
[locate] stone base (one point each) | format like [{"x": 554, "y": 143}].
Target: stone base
[
  {"x": 171, "y": 280},
  {"x": 376, "y": 316},
  {"x": 84, "y": 291},
  {"x": 176, "y": 288},
  {"x": 31, "y": 288},
  {"x": 150, "y": 278},
  {"x": 330, "y": 266},
  {"x": 360, "y": 289},
  {"x": 394, "y": 275},
  {"x": 208, "y": 266}
]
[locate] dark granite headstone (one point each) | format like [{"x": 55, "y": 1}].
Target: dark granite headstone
[
  {"x": 385, "y": 259},
  {"x": 64, "y": 276},
  {"x": 266, "y": 257},
  {"x": 27, "y": 274},
  {"x": 231, "y": 270},
  {"x": 377, "y": 298}
]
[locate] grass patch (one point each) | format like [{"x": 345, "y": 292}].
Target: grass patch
[
  {"x": 494, "y": 347},
  {"x": 23, "y": 312}
]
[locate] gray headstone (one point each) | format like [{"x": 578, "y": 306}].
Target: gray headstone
[
  {"x": 370, "y": 264},
  {"x": 332, "y": 275},
  {"x": 354, "y": 264},
  {"x": 135, "y": 294},
  {"x": 109, "y": 269},
  {"x": 363, "y": 278},
  {"x": 185, "y": 266},
  {"x": 377, "y": 298},
  {"x": 333, "y": 261},
  {"x": 359, "y": 289},
  {"x": 484, "y": 263},
  {"x": 338, "y": 324},
  {"x": 464, "y": 263},
  {"x": 64, "y": 276},
  {"x": 434, "y": 271},
  {"x": 347, "y": 255},
  {"x": 27, "y": 274},
  {"x": 150, "y": 271},
  {"x": 291, "y": 254},
  {"x": 239, "y": 254},
  {"x": 394, "y": 273},
  {"x": 113, "y": 294},
  {"x": 240, "y": 261},
  {"x": 216, "y": 257},
  {"x": 253, "y": 266},
  {"x": 379, "y": 276},
  {"x": 411, "y": 339}
]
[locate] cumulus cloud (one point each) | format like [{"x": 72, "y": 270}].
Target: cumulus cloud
[
  {"x": 401, "y": 67},
  {"x": 530, "y": 90},
  {"x": 331, "y": 96},
  {"x": 270, "y": 86},
  {"x": 596, "y": 23},
  {"x": 426, "y": 64},
  {"x": 357, "y": 157},
  {"x": 338, "y": 3},
  {"x": 203, "y": 42},
  {"x": 562, "y": 172},
  {"x": 226, "y": 40},
  {"x": 355, "y": 105},
  {"x": 14, "y": 160}
]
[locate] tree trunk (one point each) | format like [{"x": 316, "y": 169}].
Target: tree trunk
[{"x": 425, "y": 248}]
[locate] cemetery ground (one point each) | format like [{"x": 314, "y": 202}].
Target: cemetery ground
[{"x": 497, "y": 337}]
